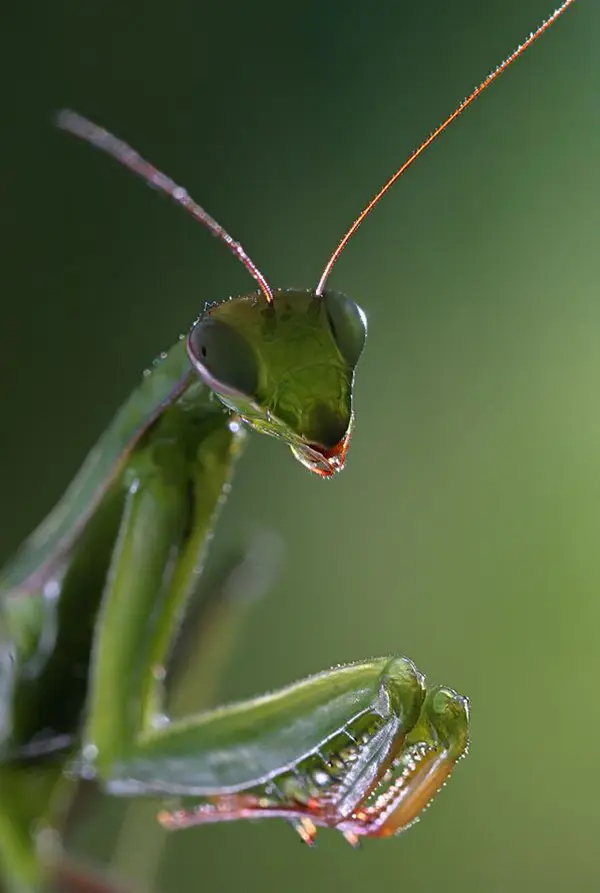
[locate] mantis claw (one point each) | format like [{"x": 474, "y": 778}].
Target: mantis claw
[
  {"x": 306, "y": 829},
  {"x": 373, "y": 778}
]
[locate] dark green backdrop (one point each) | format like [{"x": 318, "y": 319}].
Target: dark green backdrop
[{"x": 465, "y": 531}]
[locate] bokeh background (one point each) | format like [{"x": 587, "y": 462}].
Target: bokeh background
[{"x": 465, "y": 531}]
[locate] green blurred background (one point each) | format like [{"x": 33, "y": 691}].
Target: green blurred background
[{"x": 465, "y": 531}]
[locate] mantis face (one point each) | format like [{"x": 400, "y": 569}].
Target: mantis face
[{"x": 286, "y": 367}]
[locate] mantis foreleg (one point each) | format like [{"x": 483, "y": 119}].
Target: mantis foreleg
[{"x": 170, "y": 506}]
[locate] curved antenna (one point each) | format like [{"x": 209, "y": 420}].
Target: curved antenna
[
  {"x": 434, "y": 135},
  {"x": 102, "y": 139}
]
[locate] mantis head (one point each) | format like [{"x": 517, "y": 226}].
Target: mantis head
[
  {"x": 283, "y": 360},
  {"x": 286, "y": 366}
]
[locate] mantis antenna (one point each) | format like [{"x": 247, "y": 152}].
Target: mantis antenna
[
  {"x": 434, "y": 135},
  {"x": 102, "y": 139}
]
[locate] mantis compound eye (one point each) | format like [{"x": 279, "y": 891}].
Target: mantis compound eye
[
  {"x": 223, "y": 357},
  {"x": 348, "y": 325}
]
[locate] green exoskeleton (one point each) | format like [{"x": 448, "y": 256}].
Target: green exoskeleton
[{"x": 362, "y": 747}]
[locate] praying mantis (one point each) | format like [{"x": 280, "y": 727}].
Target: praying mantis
[{"x": 362, "y": 748}]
